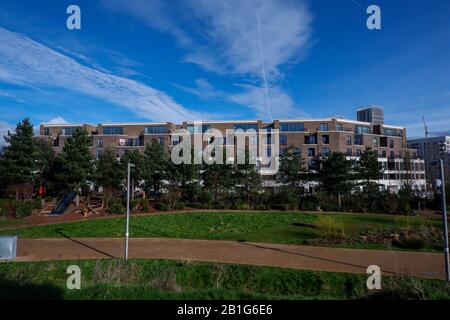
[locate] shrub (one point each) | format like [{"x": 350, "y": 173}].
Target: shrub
[
  {"x": 162, "y": 206},
  {"x": 37, "y": 203},
  {"x": 48, "y": 199},
  {"x": 330, "y": 227},
  {"x": 309, "y": 203},
  {"x": 179, "y": 206},
  {"x": 144, "y": 205},
  {"x": 23, "y": 209},
  {"x": 205, "y": 197},
  {"x": 411, "y": 241},
  {"x": 115, "y": 205},
  {"x": 3, "y": 212}
]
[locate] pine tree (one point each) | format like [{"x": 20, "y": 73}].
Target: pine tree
[
  {"x": 292, "y": 172},
  {"x": 247, "y": 178},
  {"x": 137, "y": 159},
  {"x": 155, "y": 166},
  {"x": 18, "y": 163},
  {"x": 335, "y": 175},
  {"x": 74, "y": 166},
  {"x": 109, "y": 173}
]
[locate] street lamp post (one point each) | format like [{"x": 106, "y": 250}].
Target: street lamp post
[
  {"x": 444, "y": 218},
  {"x": 127, "y": 227}
]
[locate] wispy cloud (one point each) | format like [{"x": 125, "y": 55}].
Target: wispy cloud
[
  {"x": 57, "y": 120},
  {"x": 249, "y": 39},
  {"x": 4, "y": 128},
  {"x": 250, "y": 96},
  {"x": 29, "y": 63}
]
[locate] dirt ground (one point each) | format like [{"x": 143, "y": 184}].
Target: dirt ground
[{"x": 424, "y": 265}]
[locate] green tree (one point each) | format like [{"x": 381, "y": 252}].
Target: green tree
[
  {"x": 185, "y": 178},
  {"x": 18, "y": 163},
  {"x": 247, "y": 179},
  {"x": 45, "y": 158},
  {"x": 109, "y": 173},
  {"x": 136, "y": 158},
  {"x": 155, "y": 166},
  {"x": 368, "y": 171},
  {"x": 75, "y": 164},
  {"x": 218, "y": 179},
  {"x": 292, "y": 171},
  {"x": 335, "y": 175}
]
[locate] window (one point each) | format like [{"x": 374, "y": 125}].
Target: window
[
  {"x": 339, "y": 127},
  {"x": 362, "y": 129},
  {"x": 269, "y": 151},
  {"x": 326, "y": 151},
  {"x": 100, "y": 143},
  {"x": 359, "y": 140},
  {"x": 246, "y": 126},
  {"x": 392, "y": 132},
  {"x": 112, "y": 130},
  {"x": 349, "y": 152},
  {"x": 391, "y": 143},
  {"x": 283, "y": 140},
  {"x": 292, "y": 127},
  {"x": 311, "y": 139},
  {"x": 46, "y": 132},
  {"x": 98, "y": 154},
  {"x": 391, "y": 154},
  {"x": 161, "y": 141},
  {"x": 198, "y": 128},
  {"x": 375, "y": 142},
  {"x": 269, "y": 139},
  {"x": 311, "y": 152},
  {"x": 349, "y": 140},
  {"x": 326, "y": 139},
  {"x": 68, "y": 131},
  {"x": 358, "y": 152},
  {"x": 155, "y": 129},
  {"x": 324, "y": 127}
]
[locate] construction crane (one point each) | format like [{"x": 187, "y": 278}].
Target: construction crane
[{"x": 425, "y": 126}]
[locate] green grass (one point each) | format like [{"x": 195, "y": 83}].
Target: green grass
[
  {"x": 270, "y": 227},
  {"x": 10, "y": 222},
  {"x": 160, "y": 279}
]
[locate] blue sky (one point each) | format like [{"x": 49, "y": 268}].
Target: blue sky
[{"x": 163, "y": 60}]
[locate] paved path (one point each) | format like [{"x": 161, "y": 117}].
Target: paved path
[{"x": 425, "y": 265}]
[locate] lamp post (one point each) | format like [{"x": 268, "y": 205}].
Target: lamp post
[
  {"x": 444, "y": 218},
  {"x": 127, "y": 226}
]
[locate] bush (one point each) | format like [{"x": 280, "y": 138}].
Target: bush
[
  {"x": 179, "y": 206},
  {"x": 310, "y": 203},
  {"x": 37, "y": 203},
  {"x": 48, "y": 199},
  {"x": 23, "y": 209},
  {"x": 162, "y": 206},
  {"x": 115, "y": 206},
  {"x": 3, "y": 212},
  {"x": 411, "y": 241},
  {"x": 329, "y": 227}
]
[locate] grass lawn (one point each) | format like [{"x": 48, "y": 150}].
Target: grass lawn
[
  {"x": 270, "y": 227},
  {"x": 161, "y": 279}
]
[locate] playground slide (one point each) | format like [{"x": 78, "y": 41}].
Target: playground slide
[{"x": 63, "y": 203}]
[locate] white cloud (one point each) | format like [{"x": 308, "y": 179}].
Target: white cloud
[
  {"x": 255, "y": 98},
  {"x": 27, "y": 62},
  {"x": 250, "y": 96},
  {"x": 4, "y": 127},
  {"x": 251, "y": 39},
  {"x": 57, "y": 120},
  {"x": 236, "y": 31}
]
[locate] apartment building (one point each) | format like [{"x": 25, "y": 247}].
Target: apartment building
[
  {"x": 372, "y": 114},
  {"x": 431, "y": 149},
  {"x": 312, "y": 138}
]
